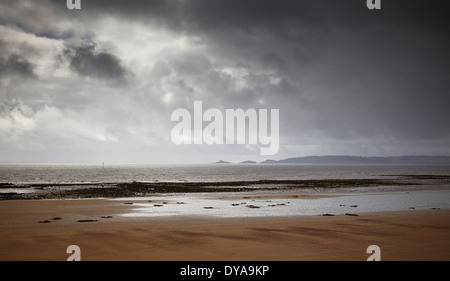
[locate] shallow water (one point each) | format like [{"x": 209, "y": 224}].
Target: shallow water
[{"x": 194, "y": 205}]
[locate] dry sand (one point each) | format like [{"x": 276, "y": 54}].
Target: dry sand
[{"x": 412, "y": 235}]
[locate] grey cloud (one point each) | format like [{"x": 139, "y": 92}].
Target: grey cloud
[
  {"x": 88, "y": 60},
  {"x": 344, "y": 78},
  {"x": 356, "y": 73},
  {"x": 44, "y": 18},
  {"x": 159, "y": 12},
  {"x": 16, "y": 65}
]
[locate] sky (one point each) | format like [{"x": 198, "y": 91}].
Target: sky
[{"x": 100, "y": 84}]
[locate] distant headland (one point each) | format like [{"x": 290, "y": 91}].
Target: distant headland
[{"x": 343, "y": 159}]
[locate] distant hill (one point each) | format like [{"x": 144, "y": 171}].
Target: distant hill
[
  {"x": 222, "y": 162},
  {"x": 269, "y": 161},
  {"x": 341, "y": 159}
]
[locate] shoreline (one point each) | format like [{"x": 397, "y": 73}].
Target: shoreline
[
  {"x": 276, "y": 221},
  {"x": 31, "y": 191},
  {"x": 97, "y": 227}
]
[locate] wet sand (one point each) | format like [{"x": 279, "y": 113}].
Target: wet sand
[{"x": 105, "y": 235}]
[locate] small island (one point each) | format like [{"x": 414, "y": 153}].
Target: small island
[
  {"x": 222, "y": 162},
  {"x": 248, "y": 162}
]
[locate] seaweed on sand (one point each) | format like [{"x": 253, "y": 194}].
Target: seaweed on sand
[{"x": 142, "y": 189}]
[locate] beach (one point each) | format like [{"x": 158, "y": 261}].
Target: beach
[
  {"x": 43, "y": 229},
  {"x": 181, "y": 130}
]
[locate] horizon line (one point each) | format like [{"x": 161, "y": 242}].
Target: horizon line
[{"x": 101, "y": 163}]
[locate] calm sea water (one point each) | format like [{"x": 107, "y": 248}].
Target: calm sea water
[
  {"x": 194, "y": 204},
  {"x": 69, "y": 173}
]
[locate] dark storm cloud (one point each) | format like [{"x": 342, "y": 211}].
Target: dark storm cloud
[
  {"x": 344, "y": 77},
  {"x": 16, "y": 65},
  {"x": 357, "y": 73},
  {"x": 88, "y": 60},
  {"x": 354, "y": 72}
]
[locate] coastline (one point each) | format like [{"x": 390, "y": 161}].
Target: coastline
[
  {"x": 232, "y": 221},
  {"x": 97, "y": 227},
  {"x": 33, "y": 191}
]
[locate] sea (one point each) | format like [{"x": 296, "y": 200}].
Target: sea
[
  {"x": 118, "y": 173},
  {"x": 426, "y": 197}
]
